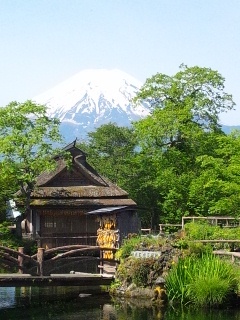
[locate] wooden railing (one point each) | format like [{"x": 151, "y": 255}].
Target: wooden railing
[
  {"x": 18, "y": 258},
  {"x": 145, "y": 232},
  {"x": 224, "y": 221},
  {"x": 233, "y": 255}
]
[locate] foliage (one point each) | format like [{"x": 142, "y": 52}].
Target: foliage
[
  {"x": 205, "y": 231},
  {"x": 114, "y": 286},
  {"x": 137, "y": 270},
  {"x": 27, "y": 136},
  {"x": 140, "y": 271},
  {"x": 110, "y": 150},
  {"x": 8, "y": 239},
  {"x": 195, "y": 95},
  {"x": 127, "y": 247},
  {"x": 217, "y": 187},
  {"x": 177, "y": 281},
  {"x": 137, "y": 243},
  {"x": 8, "y": 187},
  {"x": 201, "y": 230},
  {"x": 183, "y": 126},
  {"x": 198, "y": 248},
  {"x": 177, "y": 161},
  {"x": 143, "y": 271},
  {"x": 205, "y": 281}
]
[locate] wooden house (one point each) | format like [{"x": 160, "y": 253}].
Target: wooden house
[{"x": 72, "y": 206}]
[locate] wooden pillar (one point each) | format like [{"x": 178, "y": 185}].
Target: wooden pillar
[
  {"x": 20, "y": 260},
  {"x": 182, "y": 223},
  {"x": 40, "y": 260},
  {"x": 33, "y": 224},
  {"x": 101, "y": 261}
]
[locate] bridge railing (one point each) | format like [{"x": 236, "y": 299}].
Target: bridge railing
[{"x": 18, "y": 259}]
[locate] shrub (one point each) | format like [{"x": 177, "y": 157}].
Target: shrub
[
  {"x": 8, "y": 239},
  {"x": 197, "y": 249},
  {"x": 215, "y": 281},
  {"x": 205, "y": 280},
  {"x": 141, "y": 270},
  {"x": 178, "y": 279},
  {"x": 127, "y": 247},
  {"x": 138, "y": 271},
  {"x": 136, "y": 243},
  {"x": 202, "y": 230},
  {"x": 199, "y": 230}
]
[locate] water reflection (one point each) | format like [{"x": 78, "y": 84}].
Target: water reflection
[
  {"x": 63, "y": 303},
  {"x": 193, "y": 314},
  {"x": 7, "y": 297}
]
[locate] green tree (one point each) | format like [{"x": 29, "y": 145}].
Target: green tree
[
  {"x": 183, "y": 126},
  {"x": 110, "y": 149},
  {"x": 27, "y": 137},
  {"x": 113, "y": 151},
  {"x": 8, "y": 187},
  {"x": 184, "y": 106},
  {"x": 216, "y": 190}
]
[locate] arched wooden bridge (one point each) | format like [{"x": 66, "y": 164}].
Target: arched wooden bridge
[{"x": 34, "y": 270}]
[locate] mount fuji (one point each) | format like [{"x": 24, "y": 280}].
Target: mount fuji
[{"x": 92, "y": 98}]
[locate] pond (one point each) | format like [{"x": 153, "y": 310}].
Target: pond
[{"x": 58, "y": 303}]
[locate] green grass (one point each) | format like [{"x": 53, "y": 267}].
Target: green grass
[{"x": 205, "y": 281}]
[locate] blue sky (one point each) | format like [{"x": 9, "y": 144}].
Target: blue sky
[{"x": 43, "y": 42}]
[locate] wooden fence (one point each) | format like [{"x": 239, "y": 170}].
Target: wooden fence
[{"x": 224, "y": 221}]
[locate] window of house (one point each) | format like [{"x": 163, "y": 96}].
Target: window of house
[{"x": 50, "y": 222}]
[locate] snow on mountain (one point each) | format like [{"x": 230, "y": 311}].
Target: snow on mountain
[{"x": 92, "y": 98}]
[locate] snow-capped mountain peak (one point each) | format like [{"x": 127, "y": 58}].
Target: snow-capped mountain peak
[{"x": 94, "y": 97}]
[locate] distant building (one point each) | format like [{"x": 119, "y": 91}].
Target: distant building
[{"x": 12, "y": 212}]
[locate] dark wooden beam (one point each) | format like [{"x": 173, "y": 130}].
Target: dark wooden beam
[{"x": 26, "y": 280}]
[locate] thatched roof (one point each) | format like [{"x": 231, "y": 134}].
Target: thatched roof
[
  {"x": 79, "y": 192},
  {"x": 92, "y": 190},
  {"x": 80, "y": 162},
  {"x": 82, "y": 202}
]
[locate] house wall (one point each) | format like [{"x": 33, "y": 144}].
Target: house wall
[
  {"x": 71, "y": 177},
  {"x": 127, "y": 222},
  {"x": 65, "y": 227}
]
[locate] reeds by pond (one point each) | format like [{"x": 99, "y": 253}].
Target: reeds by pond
[{"x": 206, "y": 281}]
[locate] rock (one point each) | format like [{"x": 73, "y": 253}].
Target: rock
[
  {"x": 160, "y": 281},
  {"x": 131, "y": 287},
  {"x": 145, "y": 293}
]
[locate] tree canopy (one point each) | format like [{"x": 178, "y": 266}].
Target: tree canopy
[
  {"x": 183, "y": 128},
  {"x": 27, "y": 137},
  {"x": 177, "y": 161},
  {"x": 183, "y": 106},
  {"x": 110, "y": 149}
]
